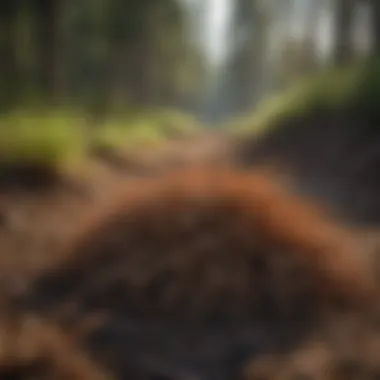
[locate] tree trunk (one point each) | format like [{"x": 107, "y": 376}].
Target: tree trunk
[
  {"x": 10, "y": 91},
  {"x": 375, "y": 12},
  {"x": 343, "y": 32},
  {"x": 49, "y": 47}
]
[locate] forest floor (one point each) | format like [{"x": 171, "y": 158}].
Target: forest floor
[{"x": 36, "y": 224}]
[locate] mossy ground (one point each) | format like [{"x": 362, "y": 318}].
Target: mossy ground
[
  {"x": 338, "y": 88},
  {"x": 53, "y": 141}
]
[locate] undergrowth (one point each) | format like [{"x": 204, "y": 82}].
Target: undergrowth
[
  {"x": 353, "y": 86},
  {"x": 57, "y": 139}
]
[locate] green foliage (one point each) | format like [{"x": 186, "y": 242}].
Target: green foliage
[
  {"x": 91, "y": 51},
  {"x": 339, "y": 87},
  {"x": 62, "y": 138},
  {"x": 175, "y": 123},
  {"x": 124, "y": 132},
  {"x": 100, "y": 56},
  {"x": 46, "y": 139},
  {"x": 140, "y": 128}
]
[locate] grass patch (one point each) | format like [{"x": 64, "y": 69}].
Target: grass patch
[
  {"x": 125, "y": 132},
  {"x": 43, "y": 140},
  {"x": 40, "y": 138},
  {"x": 141, "y": 128}
]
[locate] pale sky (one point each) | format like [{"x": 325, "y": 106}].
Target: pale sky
[
  {"x": 214, "y": 18},
  {"x": 216, "y": 23},
  {"x": 218, "y": 15}
]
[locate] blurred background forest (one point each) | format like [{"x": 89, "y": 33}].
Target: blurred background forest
[
  {"x": 98, "y": 95},
  {"x": 99, "y": 54},
  {"x": 185, "y": 62},
  {"x": 213, "y": 58}
]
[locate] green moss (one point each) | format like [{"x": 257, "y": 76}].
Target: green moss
[
  {"x": 46, "y": 139},
  {"x": 62, "y": 138},
  {"x": 175, "y": 123},
  {"x": 352, "y": 86},
  {"x": 141, "y": 128},
  {"x": 119, "y": 133}
]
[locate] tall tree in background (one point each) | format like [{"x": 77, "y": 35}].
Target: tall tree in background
[
  {"x": 48, "y": 32},
  {"x": 8, "y": 53},
  {"x": 375, "y": 12},
  {"x": 298, "y": 59},
  {"x": 244, "y": 71},
  {"x": 344, "y": 14},
  {"x": 136, "y": 52}
]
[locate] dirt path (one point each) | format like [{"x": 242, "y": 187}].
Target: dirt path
[{"x": 204, "y": 148}]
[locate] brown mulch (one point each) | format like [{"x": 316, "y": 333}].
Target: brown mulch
[{"x": 37, "y": 226}]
